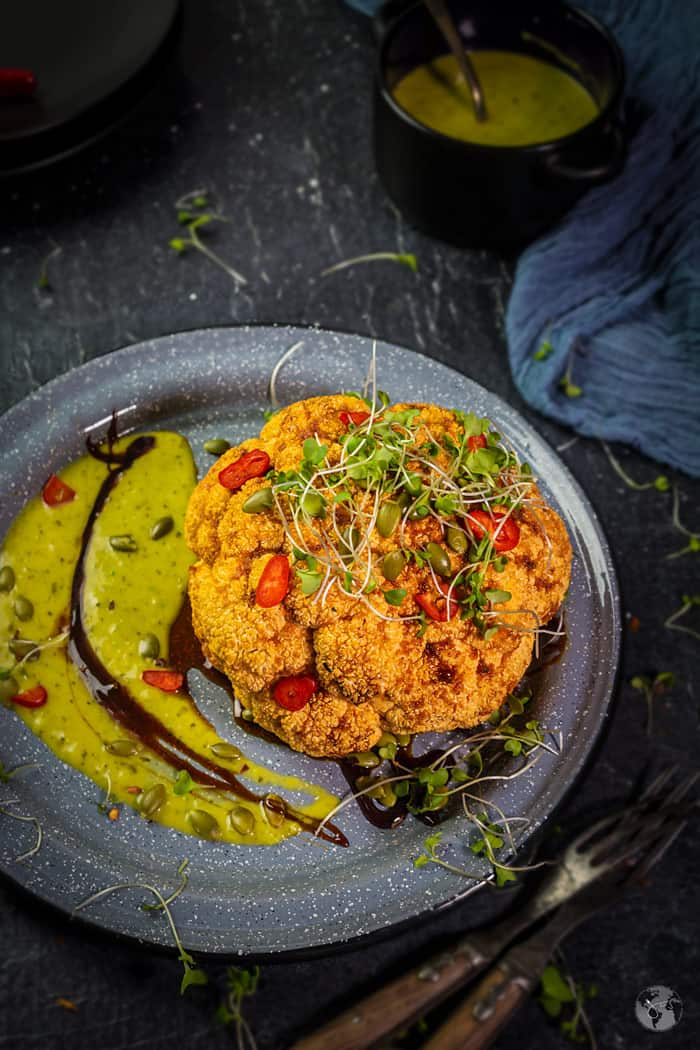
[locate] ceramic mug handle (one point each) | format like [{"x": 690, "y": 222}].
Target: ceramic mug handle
[{"x": 598, "y": 172}]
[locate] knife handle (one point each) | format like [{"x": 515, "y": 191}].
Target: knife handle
[
  {"x": 400, "y": 1002},
  {"x": 478, "y": 1020}
]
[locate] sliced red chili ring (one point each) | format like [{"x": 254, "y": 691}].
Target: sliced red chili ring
[
  {"x": 476, "y": 441},
  {"x": 295, "y": 692},
  {"x": 505, "y": 531},
  {"x": 353, "y": 417},
  {"x": 439, "y": 612},
  {"x": 56, "y": 492},
  {"x": 273, "y": 583},
  {"x": 167, "y": 681},
  {"x": 34, "y": 697},
  {"x": 253, "y": 464}
]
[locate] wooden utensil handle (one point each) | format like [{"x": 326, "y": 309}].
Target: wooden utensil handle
[
  {"x": 397, "y": 1004},
  {"x": 476, "y": 1023}
]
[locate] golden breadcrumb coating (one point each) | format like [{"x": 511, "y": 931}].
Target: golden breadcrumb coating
[{"x": 374, "y": 670}]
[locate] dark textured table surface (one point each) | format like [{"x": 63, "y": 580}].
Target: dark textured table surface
[{"x": 270, "y": 114}]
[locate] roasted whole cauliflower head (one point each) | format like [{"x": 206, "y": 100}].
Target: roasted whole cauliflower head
[{"x": 367, "y": 568}]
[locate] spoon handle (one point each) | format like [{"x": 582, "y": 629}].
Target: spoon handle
[{"x": 443, "y": 19}]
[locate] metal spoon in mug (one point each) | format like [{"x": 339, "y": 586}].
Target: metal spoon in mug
[{"x": 443, "y": 19}]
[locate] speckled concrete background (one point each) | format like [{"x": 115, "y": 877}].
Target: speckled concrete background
[{"x": 271, "y": 116}]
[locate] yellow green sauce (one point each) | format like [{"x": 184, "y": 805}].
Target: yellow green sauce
[
  {"x": 126, "y": 595},
  {"x": 528, "y": 101}
]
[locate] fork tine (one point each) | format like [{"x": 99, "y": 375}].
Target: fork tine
[
  {"x": 648, "y": 862},
  {"x": 653, "y": 789},
  {"x": 681, "y": 790}
]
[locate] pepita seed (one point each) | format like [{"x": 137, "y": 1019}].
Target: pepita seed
[
  {"x": 125, "y": 543},
  {"x": 203, "y": 824},
  {"x": 385, "y": 739},
  {"x": 8, "y": 689},
  {"x": 224, "y": 750},
  {"x": 162, "y": 527},
  {"x": 414, "y": 485},
  {"x": 385, "y": 796},
  {"x": 274, "y": 810},
  {"x": 123, "y": 748},
  {"x": 439, "y": 559},
  {"x": 150, "y": 801},
  {"x": 241, "y": 820},
  {"x": 392, "y": 565},
  {"x": 350, "y": 540},
  {"x": 388, "y": 518},
  {"x": 456, "y": 539},
  {"x": 216, "y": 446},
  {"x": 149, "y": 647},
  {"x": 24, "y": 610},
  {"x": 403, "y": 739},
  {"x": 21, "y": 648},
  {"x": 258, "y": 502},
  {"x": 7, "y": 578},
  {"x": 366, "y": 759}
]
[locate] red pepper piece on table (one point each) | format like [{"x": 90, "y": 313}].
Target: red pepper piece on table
[
  {"x": 17, "y": 83},
  {"x": 56, "y": 492},
  {"x": 353, "y": 417},
  {"x": 167, "y": 681},
  {"x": 476, "y": 441},
  {"x": 439, "y": 612},
  {"x": 253, "y": 464},
  {"x": 294, "y": 693},
  {"x": 34, "y": 697},
  {"x": 273, "y": 583},
  {"x": 508, "y": 531}
]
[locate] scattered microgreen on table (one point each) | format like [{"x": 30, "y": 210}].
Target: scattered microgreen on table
[
  {"x": 650, "y": 688},
  {"x": 241, "y": 985},
  {"x": 563, "y": 1000},
  {"x": 193, "y": 214},
  {"x": 406, "y": 259}
]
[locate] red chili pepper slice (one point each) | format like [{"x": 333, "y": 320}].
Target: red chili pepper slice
[
  {"x": 253, "y": 464},
  {"x": 17, "y": 83},
  {"x": 56, "y": 492},
  {"x": 34, "y": 697},
  {"x": 477, "y": 441},
  {"x": 439, "y": 612},
  {"x": 353, "y": 417},
  {"x": 273, "y": 583},
  {"x": 294, "y": 693},
  {"x": 508, "y": 530},
  {"x": 167, "y": 681}
]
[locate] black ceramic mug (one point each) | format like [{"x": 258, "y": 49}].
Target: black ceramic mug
[{"x": 496, "y": 196}]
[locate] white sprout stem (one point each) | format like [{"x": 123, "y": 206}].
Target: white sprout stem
[
  {"x": 344, "y": 802},
  {"x": 272, "y": 386},
  {"x": 24, "y": 820},
  {"x": 368, "y": 257},
  {"x": 202, "y": 247}
]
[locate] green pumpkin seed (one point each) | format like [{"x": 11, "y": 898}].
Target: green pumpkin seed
[
  {"x": 439, "y": 559},
  {"x": 403, "y": 739},
  {"x": 388, "y": 518},
  {"x": 241, "y": 820},
  {"x": 385, "y": 796},
  {"x": 385, "y": 739},
  {"x": 413, "y": 485},
  {"x": 124, "y": 543},
  {"x": 350, "y": 541},
  {"x": 7, "y": 578},
  {"x": 22, "y": 649},
  {"x": 224, "y": 750},
  {"x": 404, "y": 500},
  {"x": 274, "y": 810},
  {"x": 24, "y": 610},
  {"x": 150, "y": 801},
  {"x": 365, "y": 759},
  {"x": 123, "y": 748},
  {"x": 8, "y": 689},
  {"x": 314, "y": 505},
  {"x": 149, "y": 647},
  {"x": 203, "y": 824},
  {"x": 456, "y": 539},
  {"x": 392, "y": 565},
  {"x": 216, "y": 446},
  {"x": 258, "y": 502},
  {"x": 162, "y": 527}
]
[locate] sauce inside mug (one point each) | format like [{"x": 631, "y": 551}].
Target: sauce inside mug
[{"x": 528, "y": 101}]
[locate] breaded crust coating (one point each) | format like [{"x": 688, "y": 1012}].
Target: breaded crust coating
[{"x": 376, "y": 666}]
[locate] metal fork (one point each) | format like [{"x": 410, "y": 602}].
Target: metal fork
[{"x": 643, "y": 830}]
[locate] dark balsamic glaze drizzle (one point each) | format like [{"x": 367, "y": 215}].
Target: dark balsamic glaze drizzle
[{"x": 116, "y": 699}]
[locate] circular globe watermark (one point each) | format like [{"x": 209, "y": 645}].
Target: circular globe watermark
[{"x": 658, "y": 1008}]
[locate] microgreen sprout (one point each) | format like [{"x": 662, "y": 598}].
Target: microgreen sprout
[
  {"x": 543, "y": 350},
  {"x": 693, "y": 544},
  {"x": 183, "y": 783},
  {"x": 272, "y": 386},
  {"x": 6, "y": 774},
  {"x": 688, "y": 602},
  {"x": 651, "y": 687},
  {"x": 566, "y": 382},
  {"x": 405, "y": 259},
  {"x": 42, "y": 281},
  {"x": 563, "y": 999},
  {"x": 660, "y": 483},
  {"x": 241, "y": 985},
  {"x": 192, "y": 974},
  {"x": 192, "y": 217},
  {"x": 25, "y": 820}
]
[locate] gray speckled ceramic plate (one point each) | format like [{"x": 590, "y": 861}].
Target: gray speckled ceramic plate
[{"x": 298, "y": 895}]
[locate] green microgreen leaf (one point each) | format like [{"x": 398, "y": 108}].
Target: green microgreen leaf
[
  {"x": 543, "y": 351},
  {"x": 314, "y": 451},
  {"x": 495, "y": 595},
  {"x": 395, "y": 596},
  {"x": 310, "y": 581},
  {"x": 183, "y": 783}
]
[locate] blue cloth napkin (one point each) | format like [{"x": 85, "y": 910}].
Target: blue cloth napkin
[{"x": 611, "y": 297}]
